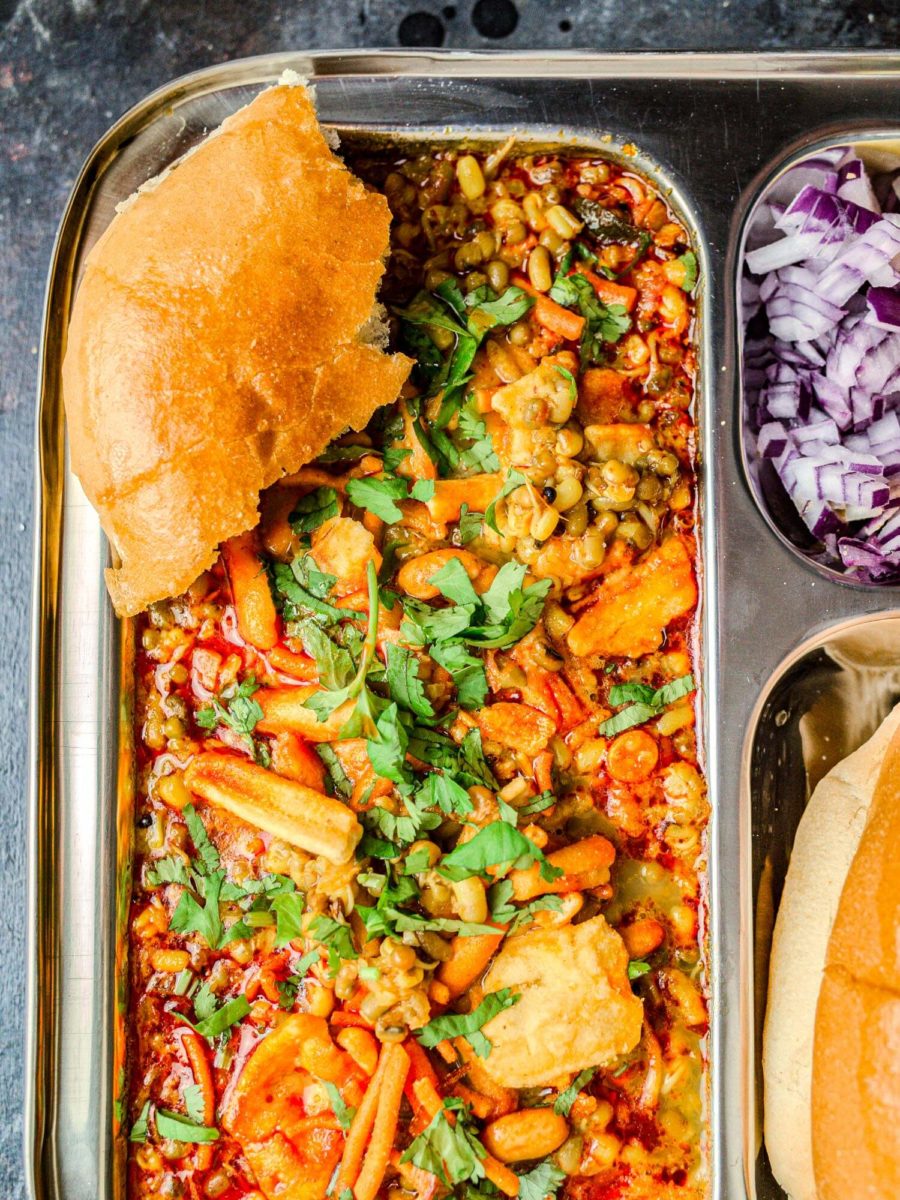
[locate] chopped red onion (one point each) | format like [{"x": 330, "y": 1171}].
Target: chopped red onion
[
  {"x": 823, "y": 384},
  {"x": 884, "y": 305}
]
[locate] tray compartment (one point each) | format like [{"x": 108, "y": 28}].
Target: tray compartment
[
  {"x": 822, "y": 702},
  {"x": 772, "y": 499},
  {"x": 94, "y": 1159}
]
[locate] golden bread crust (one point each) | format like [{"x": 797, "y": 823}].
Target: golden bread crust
[
  {"x": 217, "y": 340},
  {"x": 856, "y": 1064},
  {"x": 576, "y": 1007}
]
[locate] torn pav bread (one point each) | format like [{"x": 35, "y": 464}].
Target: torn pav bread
[
  {"x": 225, "y": 329},
  {"x": 573, "y": 981},
  {"x": 832, "y": 1080}
]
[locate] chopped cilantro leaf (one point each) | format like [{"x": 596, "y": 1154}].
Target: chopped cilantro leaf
[
  {"x": 235, "y": 708},
  {"x": 335, "y": 664},
  {"x": 209, "y": 855},
  {"x": 295, "y": 586},
  {"x": 190, "y": 916},
  {"x": 288, "y": 988},
  {"x": 453, "y": 582},
  {"x": 338, "y": 777},
  {"x": 467, "y": 671},
  {"x": 566, "y": 1099},
  {"x": 676, "y": 690},
  {"x": 423, "y": 489},
  {"x": 443, "y": 792},
  {"x": 394, "y": 456},
  {"x": 168, "y": 870},
  {"x": 506, "y": 309},
  {"x": 139, "y": 1128},
  {"x": 637, "y": 693},
  {"x": 288, "y": 910},
  {"x": 470, "y": 524},
  {"x": 515, "y": 918},
  {"x": 336, "y": 937},
  {"x": 318, "y": 583},
  {"x": 469, "y": 1025},
  {"x": 342, "y": 1111},
  {"x": 182, "y": 1129},
  {"x": 479, "y": 455},
  {"x": 496, "y": 845},
  {"x": 403, "y": 828},
  {"x": 192, "y": 1095},
  {"x": 314, "y": 509},
  {"x": 220, "y": 1019},
  {"x": 377, "y": 494},
  {"x": 387, "y": 751},
  {"x": 637, "y": 968},
  {"x": 404, "y": 683},
  {"x": 449, "y": 1149},
  {"x": 541, "y": 1181},
  {"x": 647, "y": 702},
  {"x": 501, "y": 617},
  {"x": 407, "y": 922}
]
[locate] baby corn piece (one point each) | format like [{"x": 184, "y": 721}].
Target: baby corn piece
[{"x": 304, "y": 817}]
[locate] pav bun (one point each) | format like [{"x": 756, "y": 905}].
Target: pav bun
[
  {"x": 224, "y": 332},
  {"x": 856, "y": 1057},
  {"x": 833, "y": 959}
]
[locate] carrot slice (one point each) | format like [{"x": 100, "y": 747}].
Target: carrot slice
[
  {"x": 346, "y": 1019},
  {"x": 256, "y": 616},
  {"x": 607, "y": 290},
  {"x": 500, "y": 1176},
  {"x": 295, "y": 759},
  {"x": 390, "y": 1093},
  {"x": 298, "y": 666},
  {"x": 552, "y": 316},
  {"x": 468, "y": 958},
  {"x": 200, "y": 1068},
  {"x": 358, "y": 1135},
  {"x": 391, "y": 1067},
  {"x": 420, "y": 1067},
  {"x": 543, "y": 767},
  {"x": 559, "y": 320}
]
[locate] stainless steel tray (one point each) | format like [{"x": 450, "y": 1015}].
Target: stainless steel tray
[{"x": 711, "y": 130}]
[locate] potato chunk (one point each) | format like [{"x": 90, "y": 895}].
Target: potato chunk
[
  {"x": 544, "y": 395},
  {"x": 626, "y": 442},
  {"x": 343, "y": 547},
  {"x": 576, "y": 1010},
  {"x": 633, "y": 607}
]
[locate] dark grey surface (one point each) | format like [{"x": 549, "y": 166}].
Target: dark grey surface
[{"x": 66, "y": 71}]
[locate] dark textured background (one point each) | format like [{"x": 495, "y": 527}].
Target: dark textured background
[{"x": 68, "y": 68}]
